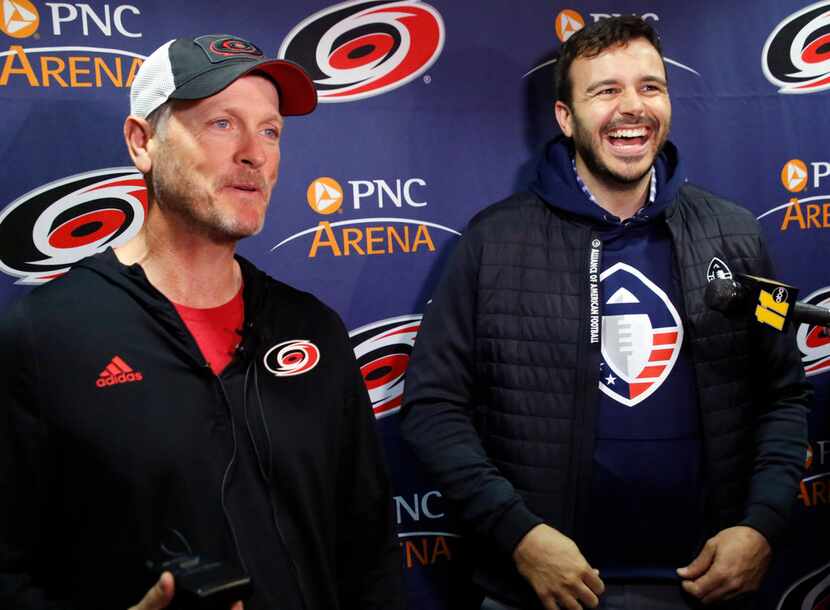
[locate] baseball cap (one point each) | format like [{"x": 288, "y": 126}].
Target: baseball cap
[{"x": 196, "y": 68}]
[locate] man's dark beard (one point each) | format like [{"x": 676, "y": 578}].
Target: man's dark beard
[
  {"x": 602, "y": 171},
  {"x": 582, "y": 145}
]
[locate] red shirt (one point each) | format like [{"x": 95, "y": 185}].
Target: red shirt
[{"x": 216, "y": 329}]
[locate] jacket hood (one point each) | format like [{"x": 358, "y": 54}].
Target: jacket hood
[{"x": 556, "y": 184}]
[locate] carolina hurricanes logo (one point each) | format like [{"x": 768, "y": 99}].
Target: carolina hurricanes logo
[
  {"x": 812, "y": 592},
  {"x": 46, "y": 231},
  {"x": 382, "y": 350},
  {"x": 796, "y": 55},
  {"x": 291, "y": 358},
  {"x": 814, "y": 341},
  {"x": 641, "y": 335},
  {"x": 234, "y": 47},
  {"x": 361, "y": 48}
]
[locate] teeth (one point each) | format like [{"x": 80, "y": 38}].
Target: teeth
[{"x": 628, "y": 133}]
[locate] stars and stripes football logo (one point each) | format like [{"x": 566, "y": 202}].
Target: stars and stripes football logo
[{"x": 641, "y": 335}]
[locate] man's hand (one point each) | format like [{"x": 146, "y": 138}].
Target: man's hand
[
  {"x": 161, "y": 595},
  {"x": 556, "y": 570},
  {"x": 732, "y": 562}
]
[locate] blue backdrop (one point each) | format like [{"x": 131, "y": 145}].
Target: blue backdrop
[{"x": 429, "y": 112}]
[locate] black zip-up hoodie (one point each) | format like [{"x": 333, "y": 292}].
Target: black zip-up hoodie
[{"x": 102, "y": 472}]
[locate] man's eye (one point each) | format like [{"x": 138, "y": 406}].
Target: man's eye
[
  {"x": 271, "y": 132},
  {"x": 222, "y": 123}
]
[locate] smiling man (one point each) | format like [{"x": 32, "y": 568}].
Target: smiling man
[
  {"x": 167, "y": 401},
  {"x": 609, "y": 440}
]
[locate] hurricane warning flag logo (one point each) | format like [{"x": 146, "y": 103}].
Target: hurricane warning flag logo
[
  {"x": 382, "y": 350},
  {"x": 641, "y": 335},
  {"x": 363, "y": 48},
  {"x": 796, "y": 56},
  {"x": 814, "y": 341},
  {"x": 47, "y": 230}
]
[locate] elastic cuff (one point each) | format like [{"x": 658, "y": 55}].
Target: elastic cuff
[
  {"x": 766, "y": 521},
  {"x": 513, "y": 526}
]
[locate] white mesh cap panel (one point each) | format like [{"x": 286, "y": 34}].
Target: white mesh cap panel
[{"x": 153, "y": 83}]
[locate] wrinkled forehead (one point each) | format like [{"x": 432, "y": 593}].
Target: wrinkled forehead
[
  {"x": 633, "y": 59},
  {"x": 253, "y": 94}
]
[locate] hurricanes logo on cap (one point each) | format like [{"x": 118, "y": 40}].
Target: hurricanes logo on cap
[
  {"x": 361, "y": 48},
  {"x": 382, "y": 350},
  {"x": 794, "y": 175},
  {"x": 568, "y": 23},
  {"x": 47, "y": 230},
  {"x": 796, "y": 56},
  {"x": 325, "y": 195},
  {"x": 18, "y": 18},
  {"x": 234, "y": 46}
]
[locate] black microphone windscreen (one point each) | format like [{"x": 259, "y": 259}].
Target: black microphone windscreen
[{"x": 726, "y": 296}]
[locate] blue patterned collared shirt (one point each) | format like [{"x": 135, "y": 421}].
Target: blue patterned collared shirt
[{"x": 652, "y": 193}]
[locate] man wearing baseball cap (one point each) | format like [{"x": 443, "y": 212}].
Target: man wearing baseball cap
[{"x": 167, "y": 408}]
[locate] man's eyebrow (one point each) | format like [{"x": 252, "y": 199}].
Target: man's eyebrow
[
  {"x": 612, "y": 81},
  {"x": 276, "y": 117},
  {"x": 654, "y": 79},
  {"x": 601, "y": 83}
]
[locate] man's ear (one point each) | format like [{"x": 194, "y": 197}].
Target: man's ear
[
  {"x": 137, "y": 134},
  {"x": 564, "y": 117}
]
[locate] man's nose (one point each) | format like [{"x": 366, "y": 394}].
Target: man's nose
[
  {"x": 250, "y": 150},
  {"x": 631, "y": 102}
]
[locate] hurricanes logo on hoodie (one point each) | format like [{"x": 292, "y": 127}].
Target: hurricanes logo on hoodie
[{"x": 641, "y": 335}]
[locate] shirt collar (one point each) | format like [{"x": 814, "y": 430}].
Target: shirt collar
[{"x": 652, "y": 190}]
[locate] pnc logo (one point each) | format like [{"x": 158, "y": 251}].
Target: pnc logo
[
  {"x": 21, "y": 19},
  {"x": 325, "y": 195},
  {"x": 794, "y": 175},
  {"x": 815, "y": 486},
  {"x": 811, "y": 209},
  {"x": 568, "y": 23},
  {"x": 368, "y": 236},
  {"x": 18, "y": 18}
]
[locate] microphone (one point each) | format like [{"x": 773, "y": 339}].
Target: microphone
[{"x": 774, "y": 303}]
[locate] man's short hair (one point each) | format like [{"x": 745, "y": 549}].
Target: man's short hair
[
  {"x": 593, "y": 40},
  {"x": 158, "y": 117}
]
